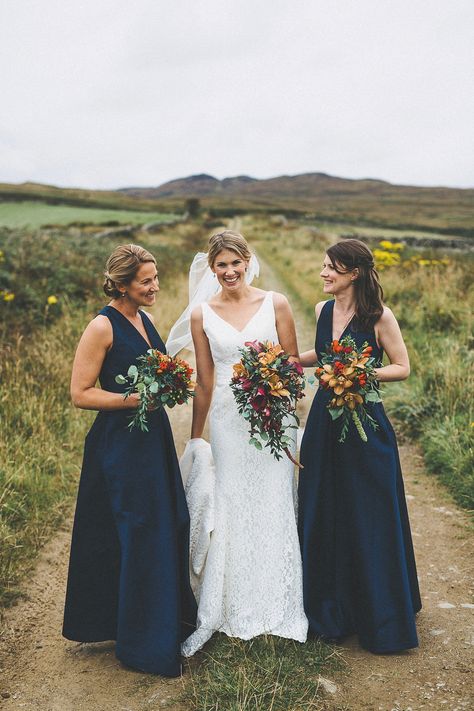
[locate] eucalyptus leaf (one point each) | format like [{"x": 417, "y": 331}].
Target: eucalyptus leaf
[
  {"x": 336, "y": 412},
  {"x": 373, "y": 396},
  {"x": 153, "y": 387},
  {"x": 120, "y": 379},
  {"x": 255, "y": 443}
]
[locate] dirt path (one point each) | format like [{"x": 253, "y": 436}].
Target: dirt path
[{"x": 40, "y": 671}]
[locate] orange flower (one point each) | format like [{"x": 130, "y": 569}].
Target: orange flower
[
  {"x": 240, "y": 371},
  {"x": 270, "y": 355},
  {"x": 277, "y": 387}
]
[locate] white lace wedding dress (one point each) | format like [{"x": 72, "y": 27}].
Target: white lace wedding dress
[{"x": 252, "y": 579}]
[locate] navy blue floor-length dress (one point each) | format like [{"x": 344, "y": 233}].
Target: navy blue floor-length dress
[
  {"x": 129, "y": 571},
  {"x": 359, "y": 573}
]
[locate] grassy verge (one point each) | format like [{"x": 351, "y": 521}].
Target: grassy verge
[
  {"x": 264, "y": 674},
  {"x": 41, "y": 438}
]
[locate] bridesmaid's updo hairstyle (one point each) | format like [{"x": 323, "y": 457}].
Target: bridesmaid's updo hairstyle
[
  {"x": 122, "y": 266},
  {"x": 351, "y": 254},
  {"x": 227, "y": 240}
]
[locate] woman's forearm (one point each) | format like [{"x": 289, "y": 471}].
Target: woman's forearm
[
  {"x": 201, "y": 403},
  {"x": 392, "y": 373},
  {"x": 97, "y": 399},
  {"x": 308, "y": 359}
]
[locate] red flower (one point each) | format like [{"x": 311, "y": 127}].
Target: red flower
[
  {"x": 298, "y": 367},
  {"x": 259, "y": 402}
]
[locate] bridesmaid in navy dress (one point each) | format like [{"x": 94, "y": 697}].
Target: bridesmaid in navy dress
[
  {"x": 359, "y": 574},
  {"x": 128, "y": 573}
]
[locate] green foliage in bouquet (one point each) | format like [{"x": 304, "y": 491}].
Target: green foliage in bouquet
[{"x": 160, "y": 380}]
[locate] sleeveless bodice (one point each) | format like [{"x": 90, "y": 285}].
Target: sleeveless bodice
[
  {"x": 360, "y": 336},
  {"x": 225, "y": 340},
  {"x": 128, "y": 343}
]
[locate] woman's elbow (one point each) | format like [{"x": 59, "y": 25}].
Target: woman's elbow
[
  {"x": 405, "y": 371},
  {"x": 77, "y": 398}
]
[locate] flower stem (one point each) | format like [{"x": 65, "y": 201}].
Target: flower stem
[{"x": 292, "y": 459}]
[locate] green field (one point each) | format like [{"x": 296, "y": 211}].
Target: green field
[{"x": 36, "y": 214}]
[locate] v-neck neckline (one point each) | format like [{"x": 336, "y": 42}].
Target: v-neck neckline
[
  {"x": 250, "y": 319},
  {"x": 332, "y": 324},
  {"x": 148, "y": 342}
]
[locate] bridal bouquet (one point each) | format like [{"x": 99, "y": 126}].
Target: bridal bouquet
[
  {"x": 350, "y": 373},
  {"x": 160, "y": 380},
  {"x": 266, "y": 386}
]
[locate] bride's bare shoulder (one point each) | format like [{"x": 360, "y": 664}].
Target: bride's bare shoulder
[{"x": 196, "y": 314}]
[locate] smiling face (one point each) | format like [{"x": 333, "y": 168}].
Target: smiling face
[
  {"x": 230, "y": 268},
  {"x": 141, "y": 291},
  {"x": 335, "y": 282}
]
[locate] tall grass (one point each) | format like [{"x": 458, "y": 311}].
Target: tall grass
[
  {"x": 40, "y": 442},
  {"x": 436, "y": 405}
]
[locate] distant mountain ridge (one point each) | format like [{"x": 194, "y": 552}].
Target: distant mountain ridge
[
  {"x": 316, "y": 196},
  {"x": 365, "y": 201},
  {"x": 204, "y": 184}
]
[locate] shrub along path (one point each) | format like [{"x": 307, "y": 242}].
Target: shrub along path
[{"x": 39, "y": 670}]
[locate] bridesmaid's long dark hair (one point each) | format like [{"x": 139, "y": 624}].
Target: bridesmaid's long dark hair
[{"x": 351, "y": 254}]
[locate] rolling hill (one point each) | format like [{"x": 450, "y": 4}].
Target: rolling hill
[{"x": 317, "y": 196}]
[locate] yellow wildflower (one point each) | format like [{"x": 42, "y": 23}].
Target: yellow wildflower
[
  {"x": 397, "y": 246},
  {"x": 52, "y": 300},
  {"x": 9, "y": 296}
]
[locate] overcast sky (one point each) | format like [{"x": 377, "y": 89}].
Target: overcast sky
[{"x": 113, "y": 93}]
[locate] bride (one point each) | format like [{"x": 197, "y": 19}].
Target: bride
[{"x": 251, "y": 582}]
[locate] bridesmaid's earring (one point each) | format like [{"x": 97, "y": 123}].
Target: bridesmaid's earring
[{"x": 124, "y": 294}]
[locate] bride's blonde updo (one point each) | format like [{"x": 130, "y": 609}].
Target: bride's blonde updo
[
  {"x": 227, "y": 240},
  {"x": 122, "y": 266}
]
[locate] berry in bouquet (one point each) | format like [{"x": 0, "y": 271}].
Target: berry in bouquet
[
  {"x": 349, "y": 372},
  {"x": 160, "y": 380},
  {"x": 266, "y": 386}
]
